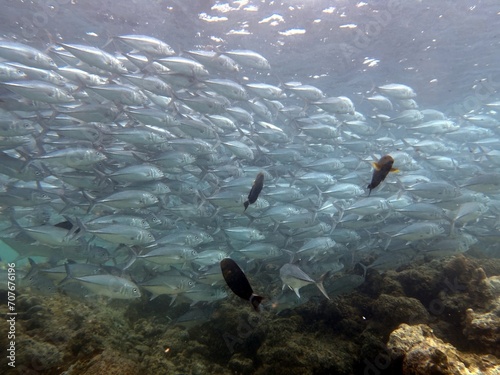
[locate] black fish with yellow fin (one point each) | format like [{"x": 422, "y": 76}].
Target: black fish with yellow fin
[
  {"x": 382, "y": 169},
  {"x": 238, "y": 282},
  {"x": 255, "y": 190}
]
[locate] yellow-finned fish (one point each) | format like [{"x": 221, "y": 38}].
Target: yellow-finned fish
[{"x": 382, "y": 169}]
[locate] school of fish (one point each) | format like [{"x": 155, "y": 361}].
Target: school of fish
[{"x": 132, "y": 168}]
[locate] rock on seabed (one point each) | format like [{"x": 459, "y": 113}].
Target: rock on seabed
[{"x": 422, "y": 353}]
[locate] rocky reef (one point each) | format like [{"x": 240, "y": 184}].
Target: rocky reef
[
  {"x": 421, "y": 352},
  {"x": 439, "y": 317}
]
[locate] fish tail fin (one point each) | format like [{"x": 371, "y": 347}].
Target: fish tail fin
[
  {"x": 68, "y": 277},
  {"x": 294, "y": 179},
  {"x": 320, "y": 196},
  {"x": 314, "y": 216},
  {"x": 452, "y": 228},
  {"x": 102, "y": 177},
  {"x": 246, "y": 204},
  {"x": 79, "y": 225},
  {"x": 276, "y": 226},
  {"x": 341, "y": 211},
  {"x": 291, "y": 253},
  {"x": 139, "y": 157},
  {"x": 255, "y": 300},
  {"x": 288, "y": 240},
  {"x": 451, "y": 218},
  {"x": 387, "y": 244},
  {"x": 202, "y": 197},
  {"x": 132, "y": 260},
  {"x": 73, "y": 232},
  {"x": 109, "y": 41},
  {"x": 365, "y": 269},
  {"x": 320, "y": 286},
  {"x": 13, "y": 230},
  {"x": 34, "y": 269},
  {"x": 90, "y": 199},
  {"x": 68, "y": 203}
]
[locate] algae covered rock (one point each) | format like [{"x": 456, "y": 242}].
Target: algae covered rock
[
  {"x": 483, "y": 328},
  {"x": 465, "y": 276},
  {"x": 304, "y": 355},
  {"x": 422, "y": 353},
  {"x": 391, "y": 311},
  {"x": 41, "y": 356},
  {"x": 241, "y": 364},
  {"x": 108, "y": 362}
]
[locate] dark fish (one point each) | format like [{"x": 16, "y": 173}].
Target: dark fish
[
  {"x": 238, "y": 282},
  {"x": 255, "y": 190},
  {"x": 65, "y": 225},
  {"x": 69, "y": 226},
  {"x": 382, "y": 169}
]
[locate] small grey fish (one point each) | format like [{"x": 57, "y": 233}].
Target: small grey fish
[
  {"x": 293, "y": 277},
  {"x": 105, "y": 285}
]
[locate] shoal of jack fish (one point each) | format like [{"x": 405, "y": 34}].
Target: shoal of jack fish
[{"x": 129, "y": 166}]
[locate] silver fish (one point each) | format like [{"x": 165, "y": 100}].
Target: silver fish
[{"x": 293, "y": 277}]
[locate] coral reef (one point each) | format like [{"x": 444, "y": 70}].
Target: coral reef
[
  {"x": 422, "y": 353},
  {"x": 447, "y": 312},
  {"x": 483, "y": 328}
]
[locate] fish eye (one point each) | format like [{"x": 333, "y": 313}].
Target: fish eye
[
  {"x": 190, "y": 283},
  {"x": 134, "y": 290}
]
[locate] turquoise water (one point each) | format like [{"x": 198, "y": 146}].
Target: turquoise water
[{"x": 322, "y": 91}]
